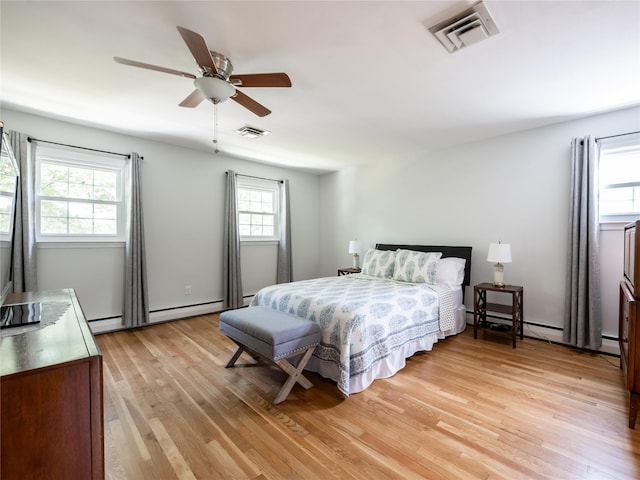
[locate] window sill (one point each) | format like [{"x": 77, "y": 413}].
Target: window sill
[
  {"x": 259, "y": 242},
  {"x": 75, "y": 245}
]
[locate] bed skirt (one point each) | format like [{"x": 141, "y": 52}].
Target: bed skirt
[{"x": 389, "y": 366}]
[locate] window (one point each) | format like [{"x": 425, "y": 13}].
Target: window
[
  {"x": 257, "y": 209},
  {"x": 79, "y": 196},
  {"x": 7, "y": 192},
  {"x": 620, "y": 178}
]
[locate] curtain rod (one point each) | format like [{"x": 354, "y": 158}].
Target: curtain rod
[
  {"x": 31, "y": 139},
  {"x": 253, "y": 176},
  {"x": 619, "y": 135}
]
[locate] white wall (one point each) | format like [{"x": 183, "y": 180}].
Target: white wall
[
  {"x": 183, "y": 192},
  {"x": 513, "y": 188}
]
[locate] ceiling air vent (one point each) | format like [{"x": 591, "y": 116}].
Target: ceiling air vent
[
  {"x": 252, "y": 132},
  {"x": 466, "y": 28}
]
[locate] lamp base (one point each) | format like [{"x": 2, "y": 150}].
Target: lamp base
[
  {"x": 356, "y": 260},
  {"x": 498, "y": 275}
]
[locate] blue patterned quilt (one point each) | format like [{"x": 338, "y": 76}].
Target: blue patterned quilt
[{"x": 363, "y": 319}]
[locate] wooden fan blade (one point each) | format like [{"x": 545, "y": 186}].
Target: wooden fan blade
[
  {"x": 148, "y": 66},
  {"x": 262, "y": 80},
  {"x": 250, "y": 104},
  {"x": 198, "y": 48},
  {"x": 193, "y": 100}
]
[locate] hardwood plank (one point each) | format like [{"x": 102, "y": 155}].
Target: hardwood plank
[{"x": 470, "y": 409}]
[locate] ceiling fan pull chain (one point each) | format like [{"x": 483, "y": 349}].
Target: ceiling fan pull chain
[{"x": 215, "y": 128}]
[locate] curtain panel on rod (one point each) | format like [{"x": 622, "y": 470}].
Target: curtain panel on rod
[
  {"x": 25, "y": 278},
  {"x": 232, "y": 278},
  {"x": 285, "y": 267},
  {"x": 136, "y": 289},
  {"x": 583, "y": 316}
]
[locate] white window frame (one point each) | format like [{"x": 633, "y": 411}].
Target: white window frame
[
  {"x": 91, "y": 160},
  {"x": 7, "y": 196},
  {"x": 611, "y": 147},
  {"x": 260, "y": 185}
]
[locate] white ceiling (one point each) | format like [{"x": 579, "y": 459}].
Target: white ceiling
[{"x": 370, "y": 82}]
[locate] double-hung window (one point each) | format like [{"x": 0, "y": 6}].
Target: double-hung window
[
  {"x": 79, "y": 196},
  {"x": 619, "y": 171},
  {"x": 7, "y": 192},
  {"x": 257, "y": 209}
]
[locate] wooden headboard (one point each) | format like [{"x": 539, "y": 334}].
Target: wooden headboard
[{"x": 447, "y": 251}]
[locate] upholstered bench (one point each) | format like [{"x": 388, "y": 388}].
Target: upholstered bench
[{"x": 275, "y": 336}]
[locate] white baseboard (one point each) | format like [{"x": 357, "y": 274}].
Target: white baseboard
[
  {"x": 184, "y": 312},
  {"x": 104, "y": 326},
  {"x": 554, "y": 335},
  {"x": 115, "y": 323}
]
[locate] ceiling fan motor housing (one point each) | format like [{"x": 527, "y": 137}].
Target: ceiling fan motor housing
[{"x": 223, "y": 66}]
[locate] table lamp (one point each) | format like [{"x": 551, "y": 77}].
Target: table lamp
[
  {"x": 355, "y": 247},
  {"x": 499, "y": 253}
]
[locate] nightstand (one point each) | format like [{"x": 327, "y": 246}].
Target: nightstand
[
  {"x": 514, "y": 310},
  {"x": 347, "y": 271}
]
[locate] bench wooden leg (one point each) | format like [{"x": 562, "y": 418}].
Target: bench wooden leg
[
  {"x": 295, "y": 375},
  {"x": 235, "y": 356}
]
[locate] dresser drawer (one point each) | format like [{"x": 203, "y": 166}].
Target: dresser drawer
[
  {"x": 624, "y": 326},
  {"x": 629, "y": 338},
  {"x": 632, "y": 257}
]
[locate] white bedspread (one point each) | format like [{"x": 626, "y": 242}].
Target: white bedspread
[{"x": 365, "y": 321}]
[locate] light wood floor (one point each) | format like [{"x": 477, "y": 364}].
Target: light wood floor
[{"x": 470, "y": 409}]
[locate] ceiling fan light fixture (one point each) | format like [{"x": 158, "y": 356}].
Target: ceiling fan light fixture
[{"x": 214, "y": 89}]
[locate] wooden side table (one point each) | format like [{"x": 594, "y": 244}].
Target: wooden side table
[
  {"x": 347, "y": 271},
  {"x": 481, "y": 307}
]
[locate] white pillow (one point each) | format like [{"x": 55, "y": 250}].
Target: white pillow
[
  {"x": 450, "y": 271},
  {"x": 379, "y": 263},
  {"x": 414, "y": 267}
]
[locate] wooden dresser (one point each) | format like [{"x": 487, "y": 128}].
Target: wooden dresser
[
  {"x": 51, "y": 423},
  {"x": 629, "y": 317}
]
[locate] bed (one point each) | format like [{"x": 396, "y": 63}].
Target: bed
[{"x": 406, "y": 298}]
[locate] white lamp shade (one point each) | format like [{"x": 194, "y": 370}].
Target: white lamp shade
[
  {"x": 355, "y": 246},
  {"x": 214, "y": 88},
  {"x": 499, "y": 253}
]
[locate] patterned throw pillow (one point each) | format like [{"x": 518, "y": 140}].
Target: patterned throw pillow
[
  {"x": 415, "y": 267},
  {"x": 379, "y": 263}
]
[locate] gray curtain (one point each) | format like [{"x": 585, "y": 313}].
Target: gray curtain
[
  {"x": 136, "y": 291},
  {"x": 583, "y": 317},
  {"x": 24, "y": 249},
  {"x": 285, "y": 273},
  {"x": 232, "y": 280}
]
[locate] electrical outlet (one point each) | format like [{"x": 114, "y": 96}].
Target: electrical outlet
[{"x": 187, "y": 289}]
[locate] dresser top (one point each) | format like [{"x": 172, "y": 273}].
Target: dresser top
[{"x": 62, "y": 335}]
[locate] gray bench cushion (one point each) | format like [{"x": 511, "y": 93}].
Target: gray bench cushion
[{"x": 270, "y": 333}]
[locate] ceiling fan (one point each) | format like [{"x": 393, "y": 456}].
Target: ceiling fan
[{"x": 216, "y": 82}]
